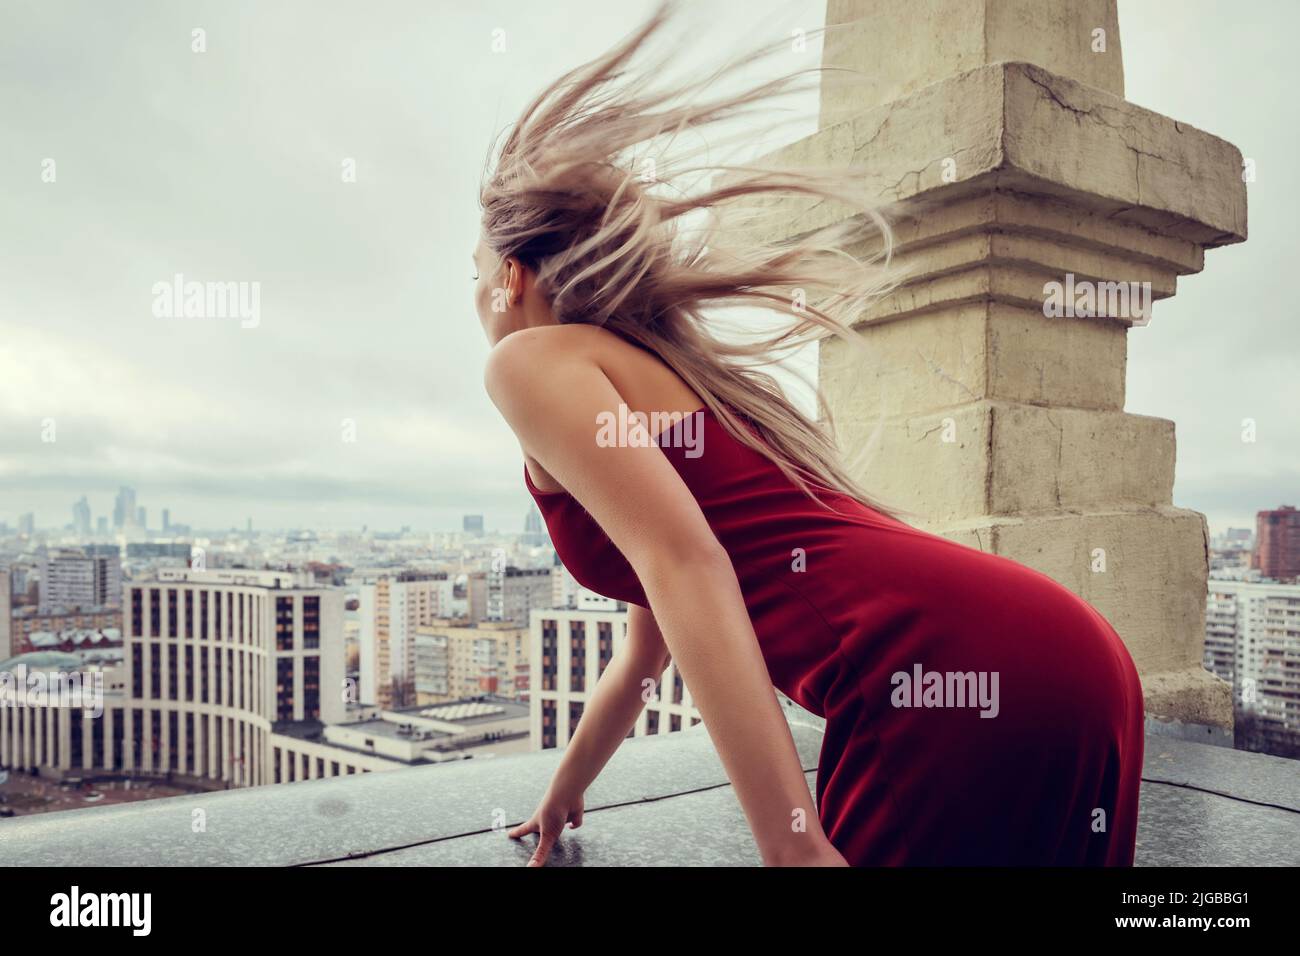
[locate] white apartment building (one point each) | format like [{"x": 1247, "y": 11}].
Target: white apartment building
[
  {"x": 85, "y": 577},
  {"x": 570, "y": 648},
  {"x": 390, "y": 608},
  {"x": 1252, "y": 638},
  {"x": 215, "y": 664}
]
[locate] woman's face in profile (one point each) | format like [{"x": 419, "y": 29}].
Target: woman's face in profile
[{"x": 488, "y": 291}]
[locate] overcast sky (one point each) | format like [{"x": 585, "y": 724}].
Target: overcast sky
[{"x": 226, "y": 166}]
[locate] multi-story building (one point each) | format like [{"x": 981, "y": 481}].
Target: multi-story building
[
  {"x": 1277, "y": 544},
  {"x": 1253, "y": 640},
  {"x": 26, "y": 621},
  {"x": 472, "y": 525},
  {"x": 509, "y": 594},
  {"x": 571, "y": 648},
  {"x": 85, "y": 577},
  {"x": 455, "y": 659},
  {"x": 214, "y": 663},
  {"x": 391, "y": 608},
  {"x": 216, "y": 659}
]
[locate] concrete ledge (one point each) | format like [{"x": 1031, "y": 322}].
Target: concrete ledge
[{"x": 663, "y": 801}]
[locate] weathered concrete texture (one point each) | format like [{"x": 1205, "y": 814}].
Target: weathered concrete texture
[
  {"x": 929, "y": 40},
  {"x": 1016, "y": 128},
  {"x": 996, "y": 458},
  {"x": 978, "y": 350}
]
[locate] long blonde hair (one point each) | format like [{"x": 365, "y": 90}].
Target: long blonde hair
[{"x": 565, "y": 197}]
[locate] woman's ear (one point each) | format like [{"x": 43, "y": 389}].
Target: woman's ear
[{"x": 516, "y": 279}]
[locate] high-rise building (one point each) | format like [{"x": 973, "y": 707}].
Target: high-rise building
[
  {"x": 81, "y": 517},
  {"x": 509, "y": 594},
  {"x": 27, "y": 524},
  {"x": 534, "y": 529},
  {"x": 1277, "y": 544},
  {"x": 472, "y": 524},
  {"x": 1252, "y": 638},
  {"x": 85, "y": 577},
  {"x": 166, "y": 520},
  {"x": 124, "y": 508},
  {"x": 101, "y": 525},
  {"x": 389, "y": 610},
  {"x": 570, "y": 649},
  {"x": 141, "y": 518}
]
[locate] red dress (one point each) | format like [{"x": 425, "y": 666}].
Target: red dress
[{"x": 977, "y": 712}]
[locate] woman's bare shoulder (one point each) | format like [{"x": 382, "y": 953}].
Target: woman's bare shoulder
[
  {"x": 539, "y": 350},
  {"x": 543, "y": 359}
]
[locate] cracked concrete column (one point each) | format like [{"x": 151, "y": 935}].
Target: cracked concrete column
[{"x": 1025, "y": 181}]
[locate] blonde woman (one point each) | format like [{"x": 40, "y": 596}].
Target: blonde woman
[{"x": 977, "y": 712}]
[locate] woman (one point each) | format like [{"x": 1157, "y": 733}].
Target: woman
[{"x": 976, "y": 711}]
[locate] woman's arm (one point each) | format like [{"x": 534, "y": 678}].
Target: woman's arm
[
  {"x": 550, "y": 386},
  {"x": 615, "y": 704}
]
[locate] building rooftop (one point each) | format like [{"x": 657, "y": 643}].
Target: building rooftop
[{"x": 1201, "y": 805}]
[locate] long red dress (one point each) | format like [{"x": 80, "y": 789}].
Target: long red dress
[{"x": 977, "y": 712}]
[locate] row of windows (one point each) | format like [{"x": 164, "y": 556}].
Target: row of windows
[
  {"x": 228, "y": 616},
  {"x": 210, "y": 677},
  {"x": 109, "y": 743}
]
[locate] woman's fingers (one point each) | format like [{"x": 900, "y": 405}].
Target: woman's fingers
[
  {"x": 545, "y": 841},
  {"x": 528, "y": 826}
]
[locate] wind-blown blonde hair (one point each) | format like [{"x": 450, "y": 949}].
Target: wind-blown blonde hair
[{"x": 590, "y": 190}]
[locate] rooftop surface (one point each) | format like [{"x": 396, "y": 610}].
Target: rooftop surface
[{"x": 662, "y": 801}]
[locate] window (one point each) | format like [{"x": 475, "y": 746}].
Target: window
[
  {"x": 577, "y": 655},
  {"x": 311, "y": 621},
  {"x": 284, "y": 688},
  {"x": 284, "y": 624},
  {"x": 311, "y": 688}
]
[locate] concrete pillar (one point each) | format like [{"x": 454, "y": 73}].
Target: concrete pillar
[{"x": 997, "y": 132}]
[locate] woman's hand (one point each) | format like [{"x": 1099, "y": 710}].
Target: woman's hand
[{"x": 548, "y": 822}]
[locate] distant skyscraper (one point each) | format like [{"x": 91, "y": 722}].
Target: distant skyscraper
[
  {"x": 81, "y": 517},
  {"x": 27, "y": 524},
  {"x": 167, "y": 520},
  {"x": 534, "y": 529},
  {"x": 124, "y": 508},
  {"x": 141, "y": 518},
  {"x": 1277, "y": 543},
  {"x": 101, "y": 525},
  {"x": 473, "y": 524}
]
